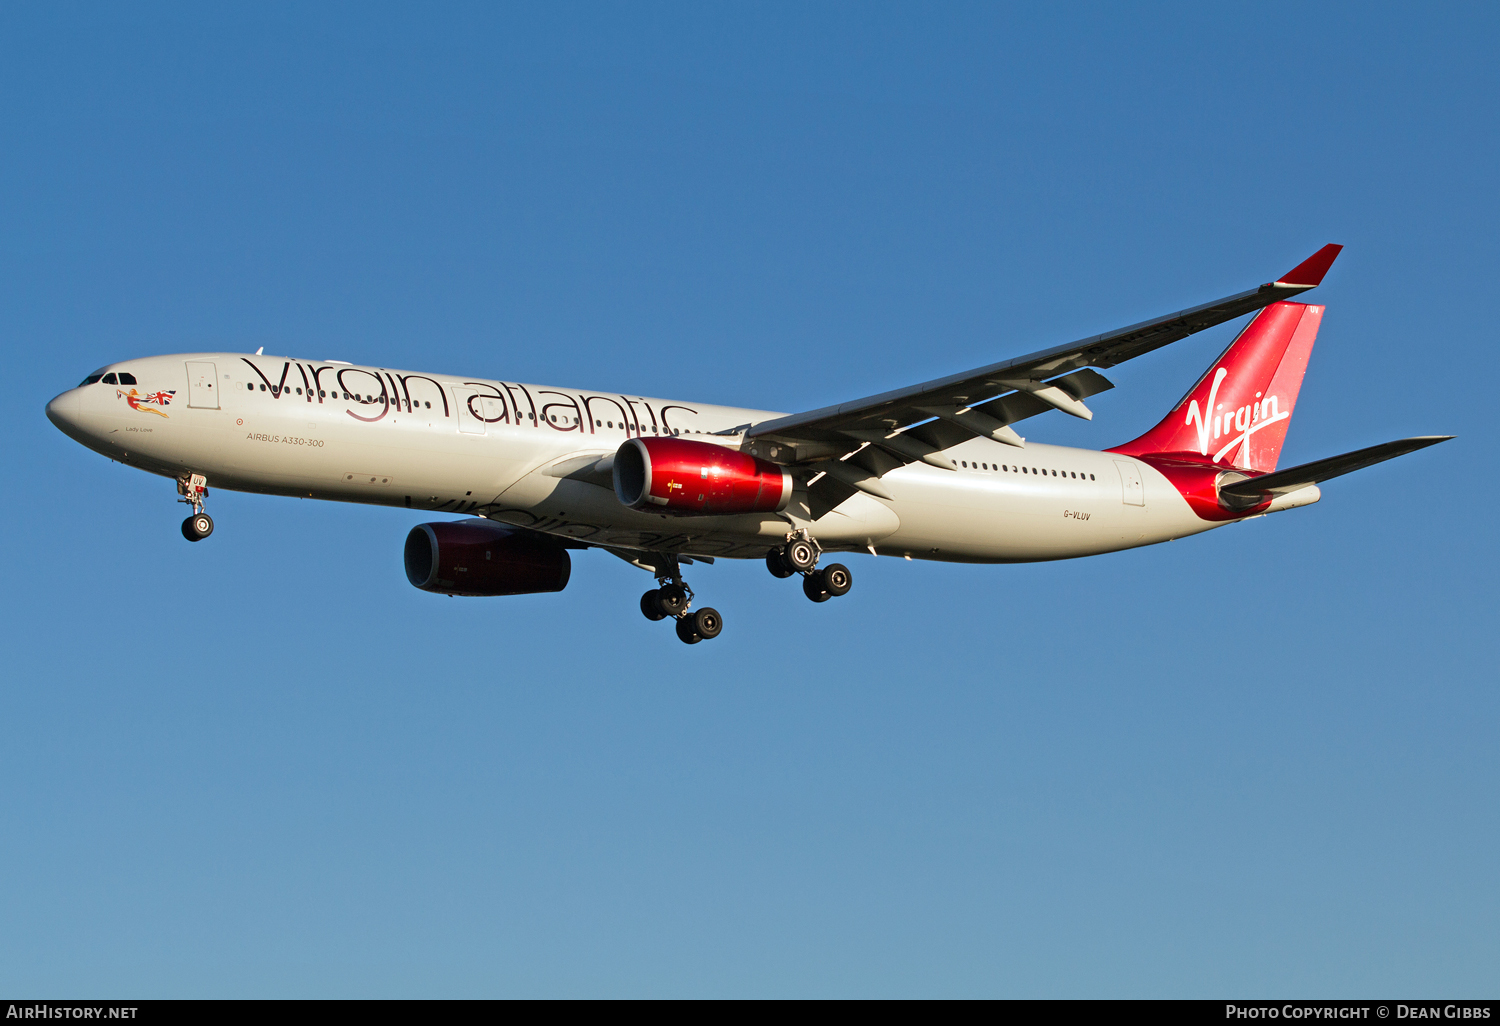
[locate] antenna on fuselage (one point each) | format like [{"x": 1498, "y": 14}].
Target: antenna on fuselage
[{"x": 261, "y": 350}]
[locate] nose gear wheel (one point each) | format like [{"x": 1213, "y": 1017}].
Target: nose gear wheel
[{"x": 197, "y": 527}]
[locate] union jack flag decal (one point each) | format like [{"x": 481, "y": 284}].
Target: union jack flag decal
[{"x": 140, "y": 402}]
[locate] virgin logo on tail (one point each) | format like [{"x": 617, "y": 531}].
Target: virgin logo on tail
[
  {"x": 1246, "y": 420},
  {"x": 1251, "y": 388}
]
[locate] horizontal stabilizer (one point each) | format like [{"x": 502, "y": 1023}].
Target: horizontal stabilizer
[{"x": 1293, "y": 478}]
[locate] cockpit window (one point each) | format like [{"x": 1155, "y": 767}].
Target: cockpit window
[
  {"x": 109, "y": 379},
  {"x": 92, "y": 379},
  {"x": 127, "y": 379}
]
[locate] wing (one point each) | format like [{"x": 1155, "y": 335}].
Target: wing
[{"x": 852, "y": 445}]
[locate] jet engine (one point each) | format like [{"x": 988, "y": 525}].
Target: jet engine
[
  {"x": 686, "y": 478},
  {"x": 478, "y": 557}
]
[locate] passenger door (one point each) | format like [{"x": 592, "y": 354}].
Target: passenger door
[
  {"x": 201, "y": 381},
  {"x": 1132, "y": 491},
  {"x": 467, "y": 421}
]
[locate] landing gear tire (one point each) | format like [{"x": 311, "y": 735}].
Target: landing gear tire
[
  {"x": 672, "y": 599},
  {"x": 835, "y": 579},
  {"x": 197, "y": 527},
  {"x": 707, "y": 623},
  {"x": 812, "y": 587},
  {"x": 800, "y": 554},
  {"x": 651, "y": 605},
  {"x": 777, "y": 565},
  {"x": 686, "y": 632}
]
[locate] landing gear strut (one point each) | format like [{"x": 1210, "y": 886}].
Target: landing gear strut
[
  {"x": 673, "y": 599},
  {"x": 192, "y": 488},
  {"x": 800, "y": 556}
]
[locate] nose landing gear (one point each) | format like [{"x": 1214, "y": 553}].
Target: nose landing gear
[
  {"x": 674, "y": 600},
  {"x": 800, "y": 556},
  {"x": 192, "y": 488}
]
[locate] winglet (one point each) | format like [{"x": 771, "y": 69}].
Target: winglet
[{"x": 1309, "y": 273}]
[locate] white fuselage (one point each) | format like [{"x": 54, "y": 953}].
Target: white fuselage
[{"x": 452, "y": 444}]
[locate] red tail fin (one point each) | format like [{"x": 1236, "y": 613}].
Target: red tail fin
[{"x": 1237, "y": 413}]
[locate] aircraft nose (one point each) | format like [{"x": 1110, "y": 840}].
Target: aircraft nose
[{"x": 63, "y": 412}]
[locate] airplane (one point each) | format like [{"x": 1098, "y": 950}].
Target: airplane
[{"x": 933, "y": 471}]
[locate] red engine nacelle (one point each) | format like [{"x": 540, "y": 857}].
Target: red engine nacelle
[
  {"x": 681, "y": 477},
  {"x": 477, "y": 557}
]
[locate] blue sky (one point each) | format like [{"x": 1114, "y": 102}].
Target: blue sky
[{"x": 1257, "y": 762}]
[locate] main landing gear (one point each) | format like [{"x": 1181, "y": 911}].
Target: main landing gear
[
  {"x": 192, "y": 488},
  {"x": 674, "y": 600},
  {"x": 800, "y": 556}
]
